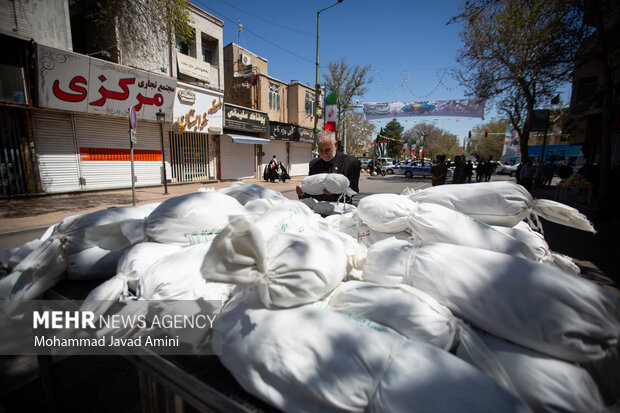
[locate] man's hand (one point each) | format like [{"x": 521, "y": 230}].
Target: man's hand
[{"x": 298, "y": 190}]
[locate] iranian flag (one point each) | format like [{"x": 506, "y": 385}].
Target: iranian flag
[{"x": 331, "y": 111}]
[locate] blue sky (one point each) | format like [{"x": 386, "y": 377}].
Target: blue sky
[{"x": 410, "y": 48}]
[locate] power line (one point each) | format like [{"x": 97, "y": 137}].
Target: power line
[
  {"x": 265, "y": 20},
  {"x": 255, "y": 34}
]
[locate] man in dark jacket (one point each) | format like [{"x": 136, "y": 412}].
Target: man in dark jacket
[{"x": 332, "y": 161}]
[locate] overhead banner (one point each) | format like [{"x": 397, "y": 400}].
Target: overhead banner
[{"x": 473, "y": 108}]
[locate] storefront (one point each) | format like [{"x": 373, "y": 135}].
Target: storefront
[
  {"x": 301, "y": 152},
  {"x": 292, "y": 145},
  {"x": 243, "y": 142},
  {"x": 17, "y": 173},
  {"x": 81, "y": 132},
  {"x": 198, "y": 118}
]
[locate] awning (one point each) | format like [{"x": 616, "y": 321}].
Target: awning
[{"x": 247, "y": 139}]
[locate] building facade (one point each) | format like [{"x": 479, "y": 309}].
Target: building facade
[{"x": 289, "y": 106}]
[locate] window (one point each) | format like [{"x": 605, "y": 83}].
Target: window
[
  {"x": 209, "y": 49},
  {"x": 186, "y": 46},
  {"x": 309, "y": 104},
  {"x": 274, "y": 96}
]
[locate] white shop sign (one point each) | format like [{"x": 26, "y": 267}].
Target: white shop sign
[
  {"x": 193, "y": 67},
  {"x": 198, "y": 110},
  {"x": 74, "y": 82}
]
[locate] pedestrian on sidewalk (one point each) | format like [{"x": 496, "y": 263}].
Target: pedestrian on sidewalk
[{"x": 526, "y": 175}]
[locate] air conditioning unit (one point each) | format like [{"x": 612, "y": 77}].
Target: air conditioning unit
[{"x": 245, "y": 59}]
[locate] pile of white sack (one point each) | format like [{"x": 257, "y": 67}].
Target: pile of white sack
[{"x": 444, "y": 299}]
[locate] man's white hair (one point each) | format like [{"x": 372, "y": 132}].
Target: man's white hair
[{"x": 326, "y": 135}]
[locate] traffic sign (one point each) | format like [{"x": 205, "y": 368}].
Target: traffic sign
[
  {"x": 133, "y": 120},
  {"x": 134, "y": 136}
]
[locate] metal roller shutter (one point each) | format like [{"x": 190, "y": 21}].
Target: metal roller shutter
[
  {"x": 301, "y": 155},
  {"x": 57, "y": 152},
  {"x": 100, "y": 133},
  {"x": 238, "y": 160}
]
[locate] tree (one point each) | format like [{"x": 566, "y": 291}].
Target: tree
[
  {"x": 436, "y": 141},
  {"x": 518, "y": 54},
  {"x": 394, "y": 131},
  {"x": 359, "y": 134},
  {"x": 348, "y": 81},
  {"x": 139, "y": 25},
  {"x": 490, "y": 147}
]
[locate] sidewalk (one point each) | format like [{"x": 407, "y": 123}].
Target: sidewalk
[{"x": 40, "y": 211}]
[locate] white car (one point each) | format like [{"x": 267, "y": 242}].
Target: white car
[{"x": 505, "y": 169}]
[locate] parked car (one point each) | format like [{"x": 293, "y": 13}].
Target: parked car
[
  {"x": 385, "y": 162},
  {"x": 397, "y": 168},
  {"x": 418, "y": 168},
  {"x": 505, "y": 169}
]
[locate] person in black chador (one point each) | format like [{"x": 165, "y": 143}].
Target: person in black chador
[
  {"x": 332, "y": 161},
  {"x": 272, "y": 167}
]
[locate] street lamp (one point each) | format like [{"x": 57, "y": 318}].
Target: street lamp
[
  {"x": 161, "y": 119},
  {"x": 317, "y": 87}
]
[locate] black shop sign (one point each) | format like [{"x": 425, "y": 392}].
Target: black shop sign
[
  {"x": 289, "y": 132},
  {"x": 244, "y": 119}
]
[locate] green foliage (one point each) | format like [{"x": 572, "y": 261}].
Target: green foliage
[
  {"x": 349, "y": 81},
  {"x": 518, "y": 53},
  {"x": 358, "y": 139},
  {"x": 436, "y": 140},
  {"x": 394, "y": 130},
  {"x": 490, "y": 147},
  {"x": 142, "y": 22}
]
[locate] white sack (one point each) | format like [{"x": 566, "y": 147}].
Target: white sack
[
  {"x": 131, "y": 267},
  {"x": 192, "y": 219},
  {"x": 385, "y": 212},
  {"x": 532, "y": 304},
  {"x": 289, "y": 270},
  {"x": 547, "y": 384},
  {"x": 117, "y": 235},
  {"x": 92, "y": 263},
  {"x": 435, "y": 223},
  {"x": 564, "y": 262},
  {"x": 537, "y": 243},
  {"x": 245, "y": 193},
  {"x": 325, "y": 208},
  {"x": 15, "y": 255},
  {"x": 315, "y": 359},
  {"x": 417, "y": 316},
  {"x": 409, "y": 311},
  {"x": 173, "y": 286},
  {"x": 35, "y": 274},
  {"x": 258, "y": 207},
  {"x": 18, "y": 254},
  {"x": 287, "y": 216},
  {"x": 562, "y": 214},
  {"x": 354, "y": 252},
  {"x": 350, "y": 224},
  {"x": 81, "y": 222},
  {"x": 532, "y": 239},
  {"x": 178, "y": 276},
  {"x": 333, "y": 183},
  {"x": 501, "y": 203}
]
